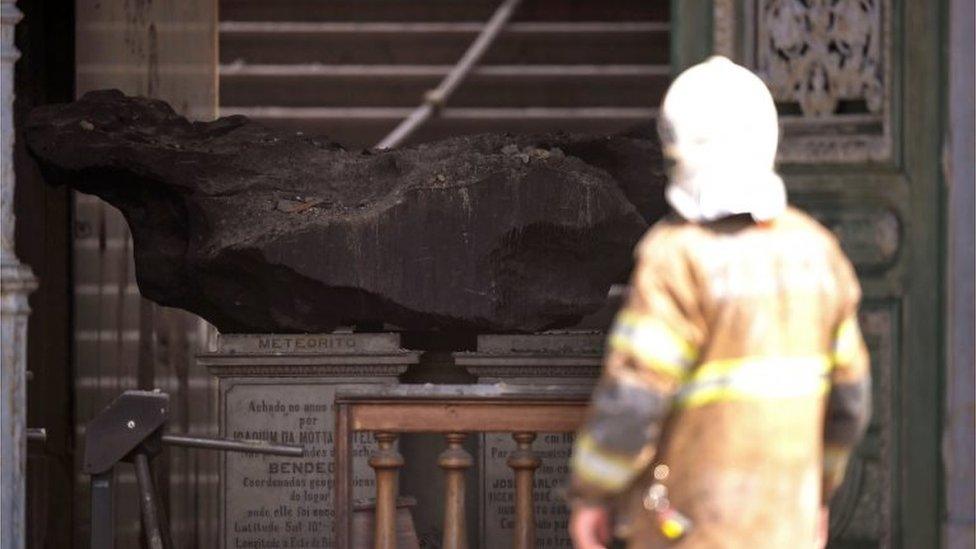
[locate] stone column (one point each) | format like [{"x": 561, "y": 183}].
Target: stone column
[
  {"x": 959, "y": 443},
  {"x": 16, "y": 282}
]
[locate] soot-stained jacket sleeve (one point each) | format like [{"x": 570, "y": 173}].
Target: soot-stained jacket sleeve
[
  {"x": 651, "y": 347},
  {"x": 849, "y": 401}
]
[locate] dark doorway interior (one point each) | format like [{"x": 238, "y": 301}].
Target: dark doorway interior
[{"x": 45, "y": 74}]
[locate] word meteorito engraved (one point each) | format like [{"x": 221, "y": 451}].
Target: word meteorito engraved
[{"x": 298, "y": 344}]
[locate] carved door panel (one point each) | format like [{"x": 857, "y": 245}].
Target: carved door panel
[{"x": 858, "y": 84}]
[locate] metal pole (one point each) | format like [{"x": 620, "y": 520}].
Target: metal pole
[
  {"x": 16, "y": 283},
  {"x": 147, "y": 501},
  {"x": 437, "y": 97},
  {"x": 229, "y": 445},
  {"x": 102, "y": 511}
]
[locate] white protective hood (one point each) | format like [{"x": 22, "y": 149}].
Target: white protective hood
[{"x": 719, "y": 128}]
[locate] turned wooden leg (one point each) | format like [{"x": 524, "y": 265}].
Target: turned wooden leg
[
  {"x": 386, "y": 462},
  {"x": 524, "y": 462},
  {"x": 455, "y": 460}
]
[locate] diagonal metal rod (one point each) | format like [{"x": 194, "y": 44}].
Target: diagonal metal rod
[
  {"x": 151, "y": 519},
  {"x": 230, "y": 445},
  {"x": 437, "y": 97}
]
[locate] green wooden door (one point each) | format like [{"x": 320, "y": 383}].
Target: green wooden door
[{"x": 859, "y": 86}]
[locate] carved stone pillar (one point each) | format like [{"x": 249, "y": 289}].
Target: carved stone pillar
[{"x": 16, "y": 282}]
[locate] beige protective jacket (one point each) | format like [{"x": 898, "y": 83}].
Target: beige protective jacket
[{"x": 737, "y": 362}]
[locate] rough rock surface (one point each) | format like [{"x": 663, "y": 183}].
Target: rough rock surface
[{"x": 259, "y": 230}]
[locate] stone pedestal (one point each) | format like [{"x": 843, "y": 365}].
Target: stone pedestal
[
  {"x": 281, "y": 388},
  {"x": 573, "y": 359}
]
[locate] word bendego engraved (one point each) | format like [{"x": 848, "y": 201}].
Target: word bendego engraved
[
  {"x": 543, "y": 359},
  {"x": 281, "y": 388}
]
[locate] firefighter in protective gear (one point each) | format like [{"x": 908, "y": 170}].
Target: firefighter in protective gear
[{"x": 736, "y": 380}]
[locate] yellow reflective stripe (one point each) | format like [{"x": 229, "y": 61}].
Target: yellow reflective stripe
[
  {"x": 846, "y": 341},
  {"x": 835, "y": 464},
  {"x": 755, "y": 378},
  {"x": 835, "y": 458},
  {"x": 766, "y": 366},
  {"x": 606, "y": 470},
  {"x": 653, "y": 343}
]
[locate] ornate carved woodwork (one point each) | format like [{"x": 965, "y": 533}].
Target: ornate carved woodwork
[{"x": 827, "y": 64}]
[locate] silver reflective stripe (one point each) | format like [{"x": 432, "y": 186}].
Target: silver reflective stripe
[{"x": 756, "y": 378}]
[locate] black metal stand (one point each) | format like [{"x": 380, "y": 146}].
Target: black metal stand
[{"x": 131, "y": 429}]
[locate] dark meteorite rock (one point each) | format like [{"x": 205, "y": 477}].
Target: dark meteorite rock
[{"x": 261, "y": 231}]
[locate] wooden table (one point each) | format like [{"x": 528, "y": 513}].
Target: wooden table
[{"x": 453, "y": 410}]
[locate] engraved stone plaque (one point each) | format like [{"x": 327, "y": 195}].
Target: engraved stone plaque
[
  {"x": 281, "y": 388},
  {"x": 543, "y": 359}
]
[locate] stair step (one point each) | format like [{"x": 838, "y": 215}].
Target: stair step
[
  {"x": 442, "y": 43},
  {"x": 404, "y": 85},
  {"x": 438, "y": 71},
  {"x": 437, "y": 27},
  {"x": 364, "y": 127},
  {"x": 441, "y": 10},
  {"x": 451, "y": 113}
]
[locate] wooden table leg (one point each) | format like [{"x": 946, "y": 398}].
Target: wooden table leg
[
  {"x": 455, "y": 460},
  {"x": 524, "y": 462},
  {"x": 386, "y": 461}
]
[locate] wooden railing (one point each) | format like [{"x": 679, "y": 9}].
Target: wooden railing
[{"x": 453, "y": 410}]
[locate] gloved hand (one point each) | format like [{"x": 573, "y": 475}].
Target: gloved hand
[
  {"x": 589, "y": 526},
  {"x": 823, "y": 525}
]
